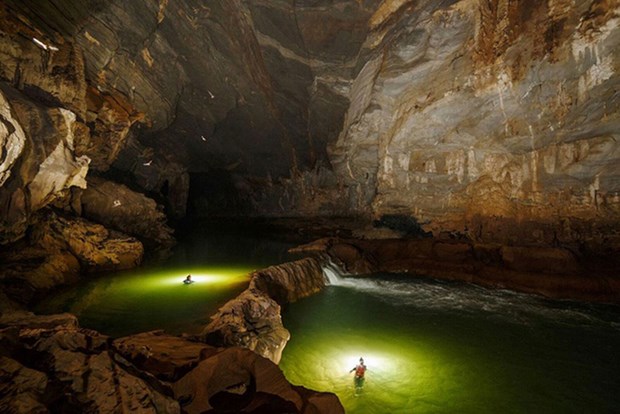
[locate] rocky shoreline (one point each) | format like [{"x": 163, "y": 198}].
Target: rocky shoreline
[
  {"x": 50, "y": 364},
  {"x": 553, "y": 272}
]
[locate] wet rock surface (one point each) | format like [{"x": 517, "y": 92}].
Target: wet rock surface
[{"x": 58, "y": 251}]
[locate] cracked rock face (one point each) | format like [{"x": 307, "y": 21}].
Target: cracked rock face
[
  {"x": 476, "y": 117},
  {"x": 469, "y": 113}
]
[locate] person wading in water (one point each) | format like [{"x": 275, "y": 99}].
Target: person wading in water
[{"x": 358, "y": 380}]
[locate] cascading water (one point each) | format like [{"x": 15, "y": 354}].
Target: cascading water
[
  {"x": 445, "y": 347},
  {"x": 333, "y": 274}
]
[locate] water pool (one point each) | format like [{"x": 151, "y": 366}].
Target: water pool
[
  {"x": 154, "y": 297},
  {"x": 434, "y": 347}
]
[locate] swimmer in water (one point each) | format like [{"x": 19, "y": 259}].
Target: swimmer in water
[
  {"x": 188, "y": 280},
  {"x": 360, "y": 370}
]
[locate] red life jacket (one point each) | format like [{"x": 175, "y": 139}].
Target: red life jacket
[{"x": 360, "y": 370}]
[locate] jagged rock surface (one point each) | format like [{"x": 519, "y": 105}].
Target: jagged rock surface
[
  {"x": 252, "y": 320},
  {"x": 69, "y": 369},
  {"x": 58, "y": 251},
  {"x": 50, "y": 364},
  {"x": 117, "y": 207},
  {"x": 473, "y": 114},
  {"x": 494, "y": 119},
  {"x": 45, "y": 168},
  {"x": 53, "y": 123}
]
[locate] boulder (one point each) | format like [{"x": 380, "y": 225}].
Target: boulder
[
  {"x": 249, "y": 384},
  {"x": 166, "y": 357},
  {"x": 69, "y": 369},
  {"x": 95, "y": 247},
  {"x": 252, "y": 320},
  {"x": 58, "y": 251},
  {"x": 118, "y": 207},
  {"x": 21, "y": 388}
]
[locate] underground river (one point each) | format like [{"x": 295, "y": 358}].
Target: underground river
[
  {"x": 430, "y": 347},
  {"x": 153, "y": 296},
  {"x": 434, "y": 347}
]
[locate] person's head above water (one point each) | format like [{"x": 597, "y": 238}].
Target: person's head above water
[
  {"x": 189, "y": 277},
  {"x": 361, "y": 360}
]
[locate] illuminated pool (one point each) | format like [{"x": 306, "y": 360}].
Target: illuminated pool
[
  {"x": 446, "y": 348},
  {"x": 142, "y": 300},
  {"x": 154, "y": 296}
]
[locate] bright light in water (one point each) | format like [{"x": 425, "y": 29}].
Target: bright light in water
[
  {"x": 378, "y": 363},
  {"x": 201, "y": 277},
  {"x": 143, "y": 299}
]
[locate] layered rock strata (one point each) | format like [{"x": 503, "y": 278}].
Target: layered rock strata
[
  {"x": 252, "y": 320},
  {"x": 58, "y": 251},
  {"x": 50, "y": 364},
  {"x": 55, "y": 129},
  {"x": 552, "y": 272},
  {"x": 494, "y": 119}
]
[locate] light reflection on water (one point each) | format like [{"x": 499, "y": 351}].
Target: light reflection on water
[
  {"x": 142, "y": 299},
  {"x": 435, "y": 347},
  {"x": 154, "y": 296}
]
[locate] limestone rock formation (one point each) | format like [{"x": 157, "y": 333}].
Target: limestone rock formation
[
  {"x": 496, "y": 119},
  {"x": 55, "y": 126},
  {"x": 96, "y": 247},
  {"x": 252, "y": 320},
  {"x": 45, "y": 168},
  {"x": 466, "y": 112},
  {"x": 69, "y": 369},
  {"x": 289, "y": 282},
  {"x": 118, "y": 207},
  {"x": 50, "y": 364},
  {"x": 552, "y": 272},
  {"x": 58, "y": 251}
]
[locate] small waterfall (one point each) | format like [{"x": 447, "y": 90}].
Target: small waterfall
[
  {"x": 332, "y": 273},
  {"x": 428, "y": 294}
]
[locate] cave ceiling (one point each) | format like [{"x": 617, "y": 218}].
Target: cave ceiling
[
  {"x": 253, "y": 86},
  {"x": 461, "y": 113}
]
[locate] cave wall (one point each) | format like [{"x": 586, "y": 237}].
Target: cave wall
[
  {"x": 496, "y": 119},
  {"x": 477, "y": 116}
]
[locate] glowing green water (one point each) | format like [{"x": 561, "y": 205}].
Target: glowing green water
[
  {"x": 154, "y": 297},
  {"x": 142, "y": 300},
  {"x": 436, "y": 348}
]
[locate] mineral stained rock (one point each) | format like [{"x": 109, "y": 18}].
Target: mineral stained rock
[{"x": 494, "y": 119}]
